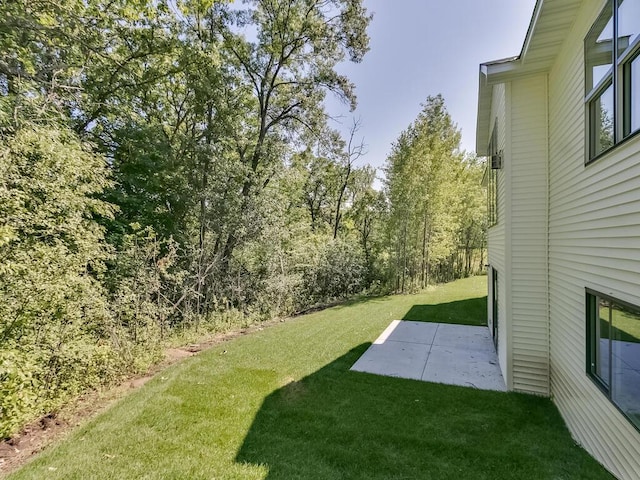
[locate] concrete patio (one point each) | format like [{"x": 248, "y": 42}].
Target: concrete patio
[{"x": 435, "y": 352}]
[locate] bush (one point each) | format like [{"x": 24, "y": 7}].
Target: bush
[
  {"x": 338, "y": 270},
  {"x": 18, "y": 392},
  {"x": 53, "y": 308}
]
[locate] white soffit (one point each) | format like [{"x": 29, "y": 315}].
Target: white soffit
[{"x": 550, "y": 24}]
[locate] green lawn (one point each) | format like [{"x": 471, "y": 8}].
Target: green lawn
[{"x": 282, "y": 404}]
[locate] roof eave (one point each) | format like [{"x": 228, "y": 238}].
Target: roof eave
[
  {"x": 483, "y": 120},
  {"x": 532, "y": 25},
  {"x": 490, "y": 74},
  {"x": 550, "y": 22}
]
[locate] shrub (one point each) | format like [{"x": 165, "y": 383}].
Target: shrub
[
  {"x": 337, "y": 271},
  {"x": 18, "y": 392},
  {"x": 52, "y": 252}
]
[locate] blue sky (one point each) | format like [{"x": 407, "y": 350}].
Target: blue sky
[{"x": 426, "y": 47}]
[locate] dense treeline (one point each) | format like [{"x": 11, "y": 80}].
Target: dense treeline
[
  {"x": 436, "y": 219},
  {"x": 166, "y": 166}
]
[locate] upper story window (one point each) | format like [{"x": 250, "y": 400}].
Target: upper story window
[
  {"x": 494, "y": 164},
  {"x": 612, "y": 76}
]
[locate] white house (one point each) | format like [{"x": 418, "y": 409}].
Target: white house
[{"x": 560, "y": 124}]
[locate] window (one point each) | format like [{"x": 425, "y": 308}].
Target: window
[
  {"x": 492, "y": 197},
  {"x": 612, "y": 76},
  {"x": 494, "y": 305},
  {"x": 494, "y": 164},
  {"x": 632, "y": 95},
  {"x": 613, "y": 351}
]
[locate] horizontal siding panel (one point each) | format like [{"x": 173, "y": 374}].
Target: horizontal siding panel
[
  {"x": 619, "y": 220},
  {"x": 606, "y": 257},
  {"x": 528, "y": 227},
  {"x": 530, "y": 389},
  {"x": 527, "y": 300},
  {"x": 594, "y": 228},
  {"x": 529, "y": 257},
  {"x": 529, "y": 377},
  {"x": 614, "y": 186},
  {"x": 531, "y": 348},
  {"x": 533, "y": 312},
  {"x": 616, "y": 233},
  {"x": 537, "y": 228},
  {"x": 591, "y": 241},
  {"x": 529, "y": 340},
  {"x": 538, "y": 324},
  {"x": 531, "y": 332},
  {"x": 528, "y": 361},
  {"x": 536, "y": 278},
  {"x": 533, "y": 328},
  {"x": 590, "y": 266},
  {"x": 530, "y": 380},
  {"x": 527, "y": 192},
  {"x": 537, "y": 283},
  {"x": 623, "y": 203},
  {"x": 531, "y": 384},
  {"x": 496, "y": 235}
]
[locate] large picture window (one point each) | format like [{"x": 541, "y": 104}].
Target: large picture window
[
  {"x": 612, "y": 76},
  {"x": 613, "y": 351}
]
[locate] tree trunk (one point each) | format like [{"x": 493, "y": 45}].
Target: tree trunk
[
  {"x": 423, "y": 270},
  {"x": 428, "y": 234},
  {"x": 343, "y": 188},
  {"x": 404, "y": 255}
]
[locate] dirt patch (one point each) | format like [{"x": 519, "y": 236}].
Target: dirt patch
[
  {"x": 36, "y": 436},
  {"x": 176, "y": 354}
]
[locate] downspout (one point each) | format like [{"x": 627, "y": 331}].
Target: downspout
[
  {"x": 547, "y": 250},
  {"x": 508, "y": 259}
]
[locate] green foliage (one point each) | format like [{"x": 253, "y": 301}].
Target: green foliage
[
  {"x": 282, "y": 404},
  {"x": 149, "y": 187},
  {"x": 18, "y": 398},
  {"x": 62, "y": 331},
  {"x": 52, "y": 251},
  {"x": 337, "y": 270},
  {"x": 162, "y": 173},
  {"x": 52, "y": 304},
  {"x": 141, "y": 273},
  {"x": 435, "y": 197}
]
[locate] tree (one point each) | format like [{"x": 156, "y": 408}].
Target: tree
[
  {"x": 472, "y": 215},
  {"x": 427, "y": 188},
  {"x": 354, "y": 150},
  {"x": 317, "y": 188},
  {"x": 158, "y": 173},
  {"x": 289, "y": 67},
  {"x": 368, "y": 213},
  {"x": 53, "y": 308}
]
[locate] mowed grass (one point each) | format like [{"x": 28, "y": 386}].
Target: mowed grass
[{"x": 282, "y": 404}]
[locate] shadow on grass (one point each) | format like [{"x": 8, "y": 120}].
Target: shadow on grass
[
  {"x": 472, "y": 311},
  {"x": 338, "y": 424}
]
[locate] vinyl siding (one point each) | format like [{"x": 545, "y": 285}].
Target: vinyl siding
[
  {"x": 594, "y": 228},
  {"x": 528, "y": 260},
  {"x": 496, "y": 234}
]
